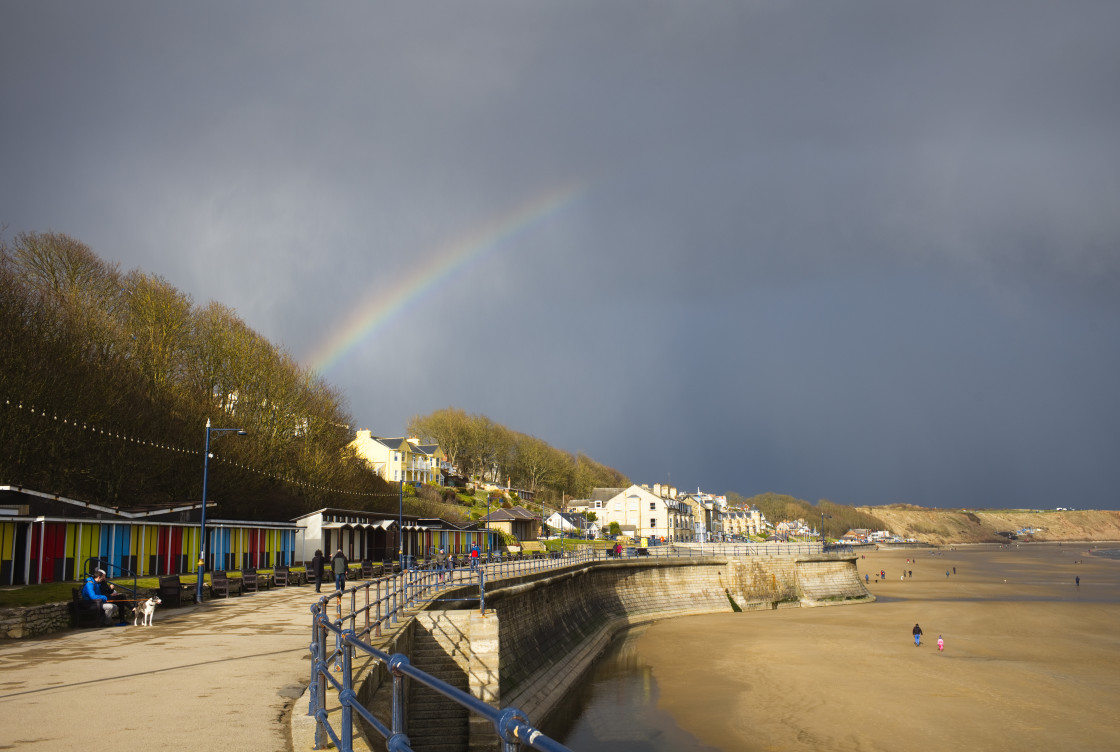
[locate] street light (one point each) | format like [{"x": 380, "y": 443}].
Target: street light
[
  {"x": 202, "y": 524},
  {"x": 823, "y": 516},
  {"x": 400, "y": 521}
]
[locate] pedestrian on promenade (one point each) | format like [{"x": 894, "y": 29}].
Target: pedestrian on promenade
[
  {"x": 917, "y": 636},
  {"x": 475, "y": 553},
  {"x": 317, "y": 569},
  {"x": 940, "y": 644},
  {"x": 91, "y": 591},
  {"x": 441, "y": 563},
  {"x": 339, "y": 566}
]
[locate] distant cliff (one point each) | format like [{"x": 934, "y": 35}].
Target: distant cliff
[{"x": 984, "y": 526}]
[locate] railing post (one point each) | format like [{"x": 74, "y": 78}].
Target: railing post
[
  {"x": 366, "y": 609},
  {"x": 398, "y": 713},
  {"x": 393, "y": 596},
  {"x": 482, "y": 592},
  {"x": 379, "y": 608},
  {"x": 347, "y": 696},
  {"x": 321, "y": 681},
  {"x": 316, "y": 657}
]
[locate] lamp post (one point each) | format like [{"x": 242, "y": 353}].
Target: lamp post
[
  {"x": 202, "y": 524},
  {"x": 400, "y": 521},
  {"x": 823, "y": 516}
]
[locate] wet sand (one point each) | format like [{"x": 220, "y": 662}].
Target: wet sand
[{"x": 1031, "y": 661}]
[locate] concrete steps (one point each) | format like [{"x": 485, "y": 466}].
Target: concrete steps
[{"x": 436, "y": 723}]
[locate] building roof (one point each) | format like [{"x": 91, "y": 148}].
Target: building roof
[{"x": 515, "y": 513}]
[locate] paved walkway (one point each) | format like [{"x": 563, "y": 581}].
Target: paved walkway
[{"x": 221, "y": 676}]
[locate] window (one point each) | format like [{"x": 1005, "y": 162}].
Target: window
[
  {"x": 653, "y": 506},
  {"x": 653, "y": 522},
  {"x": 598, "y": 504}
]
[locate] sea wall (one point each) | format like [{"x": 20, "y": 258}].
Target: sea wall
[{"x": 541, "y": 632}]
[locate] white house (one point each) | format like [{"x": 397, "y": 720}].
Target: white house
[
  {"x": 651, "y": 512},
  {"x": 573, "y": 524}
]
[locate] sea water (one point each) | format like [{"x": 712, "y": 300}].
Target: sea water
[{"x": 614, "y": 708}]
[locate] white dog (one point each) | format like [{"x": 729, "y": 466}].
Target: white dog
[{"x": 145, "y": 611}]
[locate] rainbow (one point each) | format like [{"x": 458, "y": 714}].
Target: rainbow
[{"x": 367, "y": 318}]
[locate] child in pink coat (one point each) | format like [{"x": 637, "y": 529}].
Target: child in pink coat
[{"x": 940, "y": 644}]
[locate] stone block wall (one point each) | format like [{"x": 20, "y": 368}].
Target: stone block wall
[
  {"x": 32, "y": 621},
  {"x": 830, "y": 582},
  {"x": 541, "y": 632}
]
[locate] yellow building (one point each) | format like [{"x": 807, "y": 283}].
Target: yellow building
[{"x": 397, "y": 459}]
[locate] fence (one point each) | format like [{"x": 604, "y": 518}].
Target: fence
[{"x": 373, "y": 604}]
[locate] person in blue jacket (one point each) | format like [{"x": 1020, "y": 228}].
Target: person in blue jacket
[{"x": 91, "y": 591}]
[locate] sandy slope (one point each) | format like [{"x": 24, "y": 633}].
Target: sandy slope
[{"x": 939, "y": 526}]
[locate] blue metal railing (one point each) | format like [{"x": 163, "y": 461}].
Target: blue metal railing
[
  {"x": 510, "y": 724},
  {"x": 377, "y": 602}
]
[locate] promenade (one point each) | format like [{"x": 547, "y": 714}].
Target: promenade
[{"x": 217, "y": 677}]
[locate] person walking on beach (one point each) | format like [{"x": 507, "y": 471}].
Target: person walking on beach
[
  {"x": 946, "y": 574},
  {"x": 917, "y": 636},
  {"x": 940, "y": 644},
  {"x": 1077, "y": 580}
]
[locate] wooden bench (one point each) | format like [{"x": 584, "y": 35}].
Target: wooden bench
[
  {"x": 80, "y": 609},
  {"x": 220, "y": 582},
  {"x": 280, "y": 576},
  {"x": 170, "y": 590},
  {"x": 252, "y": 582}
]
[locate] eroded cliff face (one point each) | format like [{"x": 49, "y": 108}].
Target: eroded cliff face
[{"x": 942, "y": 526}]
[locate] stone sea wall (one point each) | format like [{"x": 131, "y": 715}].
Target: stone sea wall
[
  {"x": 551, "y": 629},
  {"x": 541, "y": 632}
]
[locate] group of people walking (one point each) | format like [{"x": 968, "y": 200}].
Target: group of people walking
[{"x": 340, "y": 565}]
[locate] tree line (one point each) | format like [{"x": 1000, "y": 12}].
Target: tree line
[
  {"x": 490, "y": 451},
  {"x": 108, "y": 378}
]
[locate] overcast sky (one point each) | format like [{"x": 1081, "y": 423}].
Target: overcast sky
[{"x": 864, "y": 251}]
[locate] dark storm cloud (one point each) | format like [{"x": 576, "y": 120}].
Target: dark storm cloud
[{"x": 862, "y": 251}]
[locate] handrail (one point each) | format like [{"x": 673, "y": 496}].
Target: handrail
[
  {"x": 510, "y": 724},
  {"x": 383, "y": 600}
]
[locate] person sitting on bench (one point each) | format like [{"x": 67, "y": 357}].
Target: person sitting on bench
[{"x": 92, "y": 591}]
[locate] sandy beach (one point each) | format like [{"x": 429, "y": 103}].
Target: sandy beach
[{"x": 1031, "y": 660}]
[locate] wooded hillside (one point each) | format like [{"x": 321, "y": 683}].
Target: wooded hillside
[{"x": 108, "y": 378}]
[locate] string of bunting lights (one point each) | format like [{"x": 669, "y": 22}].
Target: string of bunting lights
[{"x": 111, "y": 434}]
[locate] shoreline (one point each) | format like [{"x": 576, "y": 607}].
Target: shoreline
[{"x": 1028, "y": 659}]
